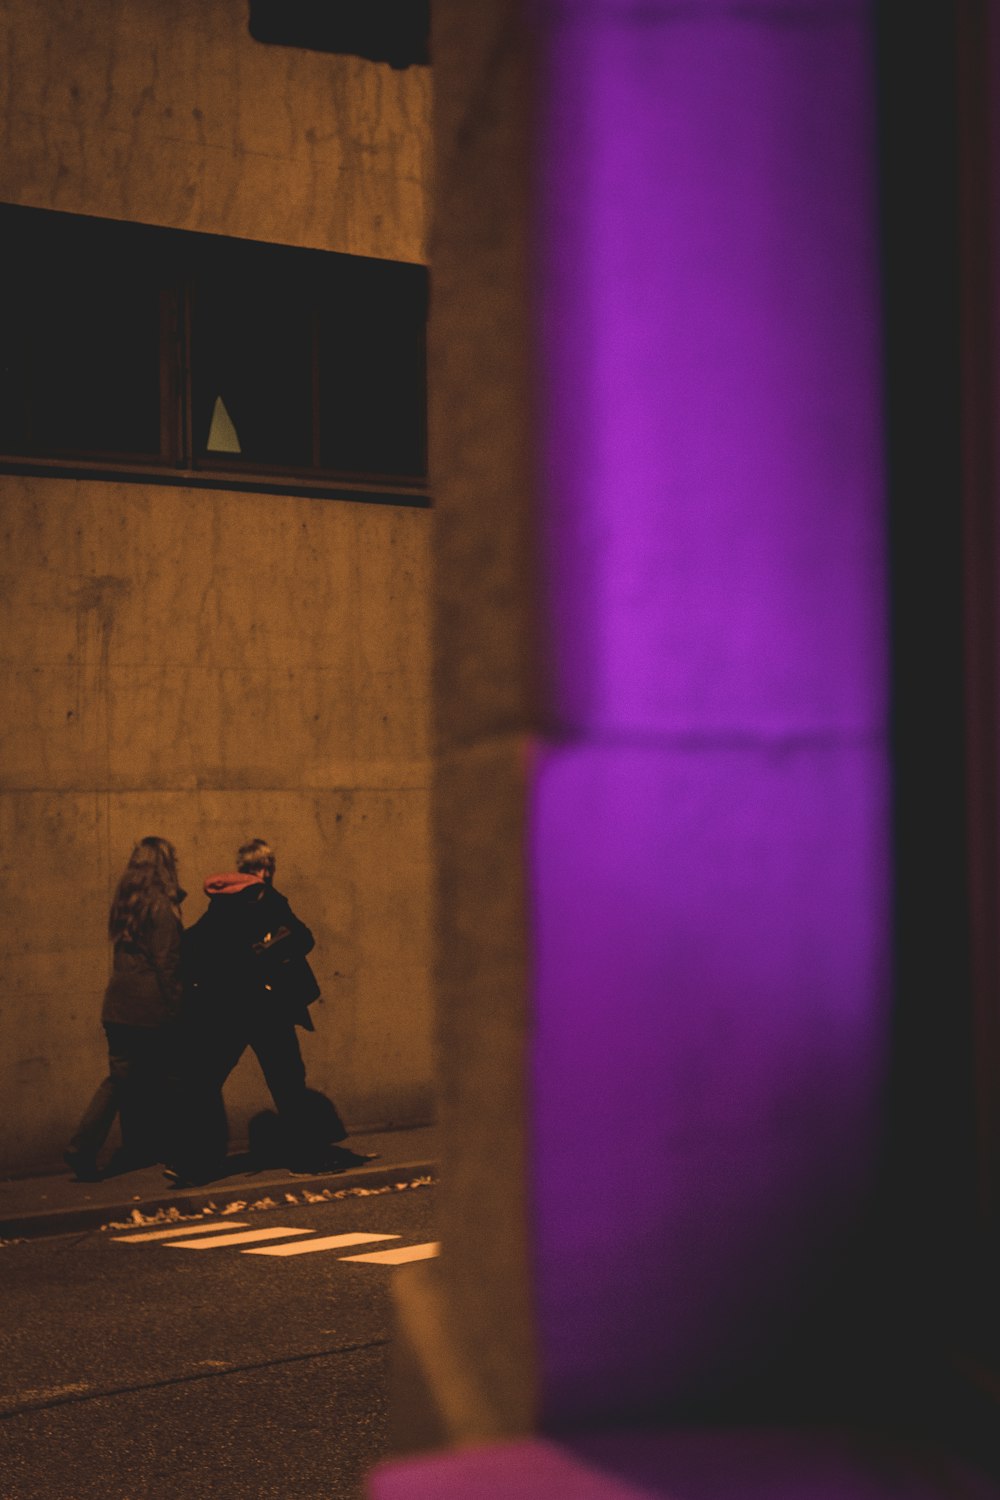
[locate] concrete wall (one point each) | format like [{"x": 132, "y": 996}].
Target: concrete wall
[
  {"x": 172, "y": 114},
  {"x": 205, "y": 665},
  {"x": 661, "y": 691}
]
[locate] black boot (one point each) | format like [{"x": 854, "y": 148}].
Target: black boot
[{"x": 83, "y": 1167}]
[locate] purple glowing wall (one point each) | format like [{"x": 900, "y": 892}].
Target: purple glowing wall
[{"x": 709, "y": 830}]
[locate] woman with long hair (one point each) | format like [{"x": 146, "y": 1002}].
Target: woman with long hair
[{"x": 141, "y": 1008}]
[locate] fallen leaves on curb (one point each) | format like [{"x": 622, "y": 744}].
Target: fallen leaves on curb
[{"x": 242, "y": 1206}]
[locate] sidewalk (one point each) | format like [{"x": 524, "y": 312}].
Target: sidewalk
[{"x": 34, "y": 1206}]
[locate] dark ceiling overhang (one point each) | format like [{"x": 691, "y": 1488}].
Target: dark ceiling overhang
[{"x": 391, "y": 31}]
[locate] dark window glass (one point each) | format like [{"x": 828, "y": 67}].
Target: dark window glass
[
  {"x": 15, "y": 348},
  {"x": 371, "y": 370},
  {"x": 80, "y": 341},
  {"x": 94, "y": 374},
  {"x": 252, "y": 361},
  {"x": 192, "y": 351}
]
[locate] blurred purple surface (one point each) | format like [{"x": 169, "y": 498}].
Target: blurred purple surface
[
  {"x": 710, "y": 828},
  {"x": 742, "y": 1465}
]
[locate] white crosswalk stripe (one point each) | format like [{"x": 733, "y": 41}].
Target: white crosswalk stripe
[
  {"x": 176, "y": 1233},
  {"x": 397, "y": 1257},
  {"x": 220, "y": 1241},
  {"x": 220, "y": 1235},
  {"x": 325, "y": 1242}
]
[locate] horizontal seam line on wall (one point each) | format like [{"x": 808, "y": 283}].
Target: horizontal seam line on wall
[
  {"x": 163, "y": 478},
  {"x": 833, "y": 739}
]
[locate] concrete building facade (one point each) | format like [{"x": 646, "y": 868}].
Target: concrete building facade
[{"x": 212, "y": 664}]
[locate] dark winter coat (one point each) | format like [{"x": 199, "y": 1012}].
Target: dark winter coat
[
  {"x": 249, "y": 949},
  {"x": 145, "y": 988}
]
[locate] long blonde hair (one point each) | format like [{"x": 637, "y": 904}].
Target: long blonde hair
[{"x": 151, "y": 874}]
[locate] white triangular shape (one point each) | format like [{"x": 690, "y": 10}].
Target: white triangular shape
[{"x": 222, "y": 436}]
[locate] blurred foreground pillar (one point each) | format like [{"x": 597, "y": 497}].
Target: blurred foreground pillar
[{"x": 663, "y": 803}]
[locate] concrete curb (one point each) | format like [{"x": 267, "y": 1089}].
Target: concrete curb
[{"x": 185, "y": 1201}]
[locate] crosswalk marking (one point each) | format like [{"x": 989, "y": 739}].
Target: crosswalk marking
[
  {"x": 396, "y": 1257},
  {"x": 219, "y": 1234},
  {"x": 215, "y": 1241},
  {"x": 325, "y": 1242},
  {"x": 171, "y": 1234}
]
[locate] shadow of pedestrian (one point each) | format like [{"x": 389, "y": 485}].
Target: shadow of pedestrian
[{"x": 309, "y": 1143}]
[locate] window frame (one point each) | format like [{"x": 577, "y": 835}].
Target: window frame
[{"x": 183, "y": 257}]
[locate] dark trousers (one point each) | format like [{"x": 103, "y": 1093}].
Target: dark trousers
[
  {"x": 275, "y": 1044},
  {"x": 138, "y": 1089},
  {"x": 212, "y": 1050}
]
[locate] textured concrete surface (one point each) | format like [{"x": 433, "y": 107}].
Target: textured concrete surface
[
  {"x": 209, "y": 665},
  {"x": 153, "y": 699},
  {"x": 466, "y": 1325},
  {"x": 173, "y": 115}
]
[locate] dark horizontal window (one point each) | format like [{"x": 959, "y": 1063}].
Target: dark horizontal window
[
  {"x": 392, "y": 31},
  {"x": 126, "y": 344}
]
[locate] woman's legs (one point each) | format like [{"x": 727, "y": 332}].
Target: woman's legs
[
  {"x": 92, "y": 1131},
  {"x": 141, "y": 1058},
  {"x": 136, "y": 1089}
]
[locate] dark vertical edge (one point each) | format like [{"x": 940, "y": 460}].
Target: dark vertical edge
[
  {"x": 423, "y": 394},
  {"x": 314, "y": 389},
  {"x": 185, "y": 310},
  {"x": 978, "y": 122},
  {"x": 979, "y": 453},
  {"x": 929, "y": 295},
  {"x": 171, "y": 434}
]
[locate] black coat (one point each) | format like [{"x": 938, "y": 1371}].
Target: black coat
[{"x": 249, "y": 950}]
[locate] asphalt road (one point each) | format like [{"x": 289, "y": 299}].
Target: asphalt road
[{"x": 141, "y": 1370}]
